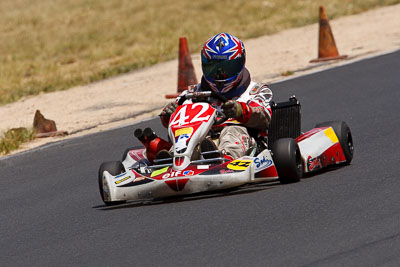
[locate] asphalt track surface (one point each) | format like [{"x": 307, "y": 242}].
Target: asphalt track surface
[{"x": 52, "y": 214}]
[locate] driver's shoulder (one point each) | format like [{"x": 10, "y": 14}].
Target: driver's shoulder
[
  {"x": 253, "y": 89},
  {"x": 257, "y": 88}
]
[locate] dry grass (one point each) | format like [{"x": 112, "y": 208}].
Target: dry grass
[
  {"x": 13, "y": 138},
  {"x": 48, "y": 45}
]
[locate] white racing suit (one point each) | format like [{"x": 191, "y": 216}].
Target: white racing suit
[{"x": 234, "y": 139}]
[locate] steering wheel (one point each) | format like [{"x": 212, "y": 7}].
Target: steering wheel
[{"x": 203, "y": 95}]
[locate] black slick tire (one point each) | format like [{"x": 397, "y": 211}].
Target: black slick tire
[
  {"x": 114, "y": 168},
  {"x": 287, "y": 160},
  {"x": 343, "y": 133}
]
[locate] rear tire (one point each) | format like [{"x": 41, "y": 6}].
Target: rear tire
[
  {"x": 114, "y": 168},
  {"x": 343, "y": 133},
  {"x": 287, "y": 160}
]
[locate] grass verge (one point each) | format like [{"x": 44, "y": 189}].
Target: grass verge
[
  {"x": 14, "y": 138},
  {"x": 49, "y": 45}
]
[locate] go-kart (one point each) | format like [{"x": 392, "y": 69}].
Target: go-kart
[{"x": 283, "y": 155}]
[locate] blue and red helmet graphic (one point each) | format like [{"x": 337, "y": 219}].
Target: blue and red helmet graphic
[{"x": 223, "y": 59}]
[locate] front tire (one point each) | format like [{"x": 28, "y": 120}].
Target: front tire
[
  {"x": 114, "y": 168},
  {"x": 343, "y": 133},
  {"x": 287, "y": 160}
]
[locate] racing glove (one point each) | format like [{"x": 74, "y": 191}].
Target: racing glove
[
  {"x": 232, "y": 109},
  {"x": 166, "y": 113}
]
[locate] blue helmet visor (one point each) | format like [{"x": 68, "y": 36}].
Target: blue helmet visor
[{"x": 222, "y": 70}]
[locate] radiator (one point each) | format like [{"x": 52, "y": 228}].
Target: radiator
[{"x": 285, "y": 121}]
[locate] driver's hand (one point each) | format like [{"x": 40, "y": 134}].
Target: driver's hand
[
  {"x": 169, "y": 109},
  {"x": 232, "y": 109},
  {"x": 166, "y": 113}
]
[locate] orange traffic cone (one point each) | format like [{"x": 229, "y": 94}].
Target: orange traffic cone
[
  {"x": 45, "y": 127},
  {"x": 327, "y": 47},
  {"x": 186, "y": 74}
]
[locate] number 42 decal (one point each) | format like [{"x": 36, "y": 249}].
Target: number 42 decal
[
  {"x": 239, "y": 165},
  {"x": 181, "y": 118}
]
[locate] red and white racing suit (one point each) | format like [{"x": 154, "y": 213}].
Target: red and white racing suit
[{"x": 254, "y": 98}]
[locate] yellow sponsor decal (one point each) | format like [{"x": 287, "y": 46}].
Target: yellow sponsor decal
[
  {"x": 188, "y": 130},
  {"x": 239, "y": 165},
  {"x": 331, "y": 134},
  {"x": 122, "y": 180},
  {"x": 233, "y": 121},
  {"x": 158, "y": 172}
]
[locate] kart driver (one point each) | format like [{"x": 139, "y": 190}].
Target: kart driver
[{"x": 223, "y": 60}]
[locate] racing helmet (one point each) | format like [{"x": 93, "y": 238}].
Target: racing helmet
[{"x": 222, "y": 60}]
